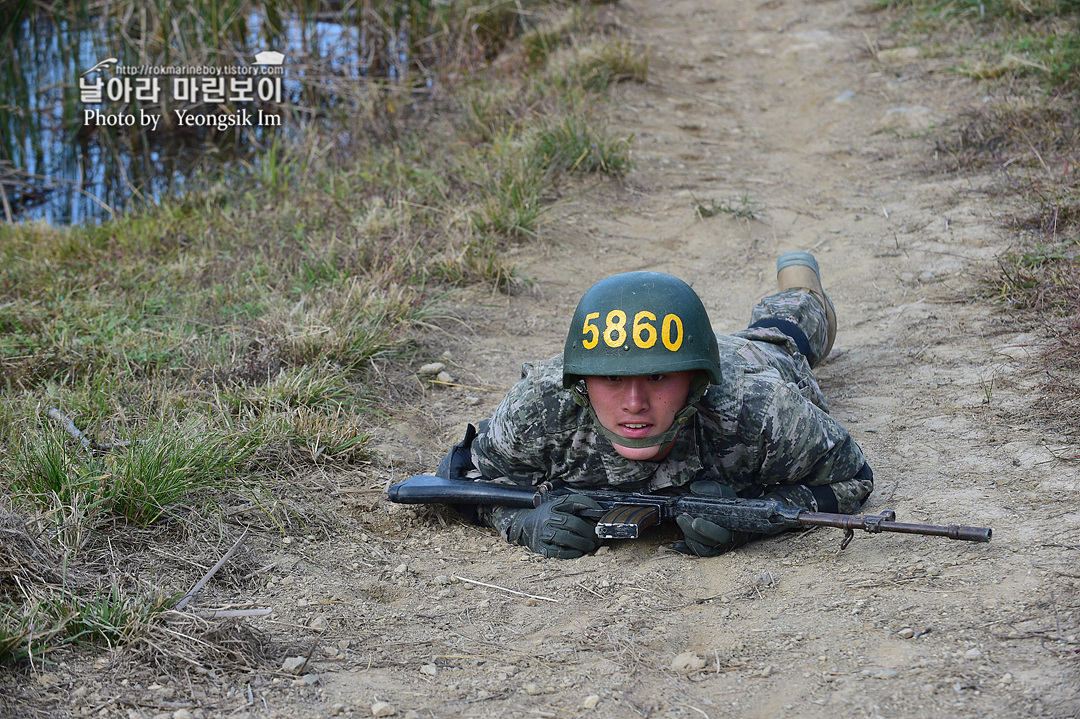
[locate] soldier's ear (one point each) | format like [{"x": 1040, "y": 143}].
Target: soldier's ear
[
  {"x": 580, "y": 393},
  {"x": 698, "y": 385}
]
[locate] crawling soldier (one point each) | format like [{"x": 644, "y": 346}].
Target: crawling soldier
[{"x": 647, "y": 398}]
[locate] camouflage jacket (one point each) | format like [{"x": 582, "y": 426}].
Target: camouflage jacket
[{"x": 754, "y": 433}]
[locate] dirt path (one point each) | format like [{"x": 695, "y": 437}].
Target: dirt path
[{"x": 780, "y": 106}]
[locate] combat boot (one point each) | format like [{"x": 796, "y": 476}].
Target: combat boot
[{"x": 798, "y": 270}]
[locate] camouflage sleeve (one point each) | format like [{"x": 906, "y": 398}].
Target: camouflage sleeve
[
  {"x": 512, "y": 444},
  {"x": 808, "y": 459}
]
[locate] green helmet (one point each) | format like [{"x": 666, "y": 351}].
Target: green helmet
[{"x": 639, "y": 323}]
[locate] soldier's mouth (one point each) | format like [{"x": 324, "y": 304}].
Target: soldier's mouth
[{"x": 635, "y": 429}]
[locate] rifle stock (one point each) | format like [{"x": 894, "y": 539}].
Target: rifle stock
[{"x": 622, "y": 515}]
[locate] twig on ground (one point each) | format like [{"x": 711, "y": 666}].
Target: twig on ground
[
  {"x": 229, "y": 613},
  {"x": 7, "y": 207},
  {"x": 206, "y": 578},
  {"x": 699, "y": 711},
  {"x": 83, "y": 440},
  {"x": 1057, "y": 620},
  {"x": 511, "y": 591}
]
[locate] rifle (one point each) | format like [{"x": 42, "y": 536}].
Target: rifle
[{"x": 622, "y": 515}]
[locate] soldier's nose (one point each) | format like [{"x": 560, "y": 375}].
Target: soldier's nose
[{"x": 635, "y": 398}]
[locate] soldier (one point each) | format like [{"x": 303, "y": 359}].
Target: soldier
[{"x": 647, "y": 398}]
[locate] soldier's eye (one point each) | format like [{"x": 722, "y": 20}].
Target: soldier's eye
[
  {"x": 656, "y": 377},
  {"x": 613, "y": 378}
]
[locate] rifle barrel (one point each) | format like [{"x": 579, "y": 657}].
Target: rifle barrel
[{"x": 879, "y": 524}]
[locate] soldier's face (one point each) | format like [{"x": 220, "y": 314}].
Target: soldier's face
[{"x": 639, "y": 406}]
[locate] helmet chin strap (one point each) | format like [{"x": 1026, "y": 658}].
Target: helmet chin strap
[{"x": 698, "y": 385}]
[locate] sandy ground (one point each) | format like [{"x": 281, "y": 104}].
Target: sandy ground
[{"x": 787, "y": 107}]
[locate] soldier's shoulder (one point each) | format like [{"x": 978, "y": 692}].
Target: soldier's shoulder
[
  {"x": 750, "y": 390},
  {"x": 539, "y": 400},
  {"x": 543, "y": 372}
]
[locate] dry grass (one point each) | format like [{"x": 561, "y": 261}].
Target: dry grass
[
  {"x": 1027, "y": 54},
  {"x": 245, "y": 338}
]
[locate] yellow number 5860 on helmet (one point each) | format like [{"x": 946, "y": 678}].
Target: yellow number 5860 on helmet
[{"x": 639, "y": 323}]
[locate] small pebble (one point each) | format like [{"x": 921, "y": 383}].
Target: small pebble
[
  {"x": 294, "y": 665},
  {"x": 972, "y": 653},
  {"x": 687, "y": 662},
  {"x": 338, "y": 708},
  {"x": 472, "y": 401},
  {"x": 383, "y": 709},
  {"x": 181, "y": 714},
  {"x": 1006, "y": 678},
  {"x": 767, "y": 670},
  {"x": 431, "y": 369},
  {"x": 429, "y": 669},
  {"x": 906, "y": 633},
  {"x": 531, "y": 689},
  {"x": 319, "y": 624},
  {"x": 444, "y": 377},
  {"x": 591, "y": 701}
]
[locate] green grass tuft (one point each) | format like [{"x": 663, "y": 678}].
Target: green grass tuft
[
  {"x": 742, "y": 208},
  {"x": 601, "y": 65},
  {"x": 139, "y": 483},
  {"x": 573, "y": 143}
]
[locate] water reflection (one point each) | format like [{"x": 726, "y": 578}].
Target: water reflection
[{"x": 61, "y": 163}]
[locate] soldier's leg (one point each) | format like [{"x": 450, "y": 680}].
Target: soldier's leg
[
  {"x": 792, "y": 331},
  {"x": 813, "y": 328},
  {"x": 793, "y": 319},
  {"x": 787, "y": 332}
]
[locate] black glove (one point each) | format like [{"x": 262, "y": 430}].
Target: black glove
[
  {"x": 702, "y": 537},
  {"x": 554, "y": 530}
]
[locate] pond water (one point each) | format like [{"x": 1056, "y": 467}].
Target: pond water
[{"x": 89, "y": 126}]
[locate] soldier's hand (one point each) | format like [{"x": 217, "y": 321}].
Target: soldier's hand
[
  {"x": 702, "y": 537},
  {"x": 554, "y": 529},
  {"x": 705, "y": 538}
]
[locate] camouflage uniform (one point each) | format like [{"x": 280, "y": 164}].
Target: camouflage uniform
[{"x": 764, "y": 430}]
